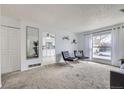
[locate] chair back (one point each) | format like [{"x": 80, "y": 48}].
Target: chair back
[
  {"x": 79, "y": 53},
  {"x": 65, "y": 54}
]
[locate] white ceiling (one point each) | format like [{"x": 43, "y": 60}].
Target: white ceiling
[{"x": 73, "y": 18}]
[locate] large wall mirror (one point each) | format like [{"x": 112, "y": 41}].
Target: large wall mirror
[{"x": 32, "y": 42}]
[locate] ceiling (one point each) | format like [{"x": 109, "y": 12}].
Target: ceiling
[{"x": 67, "y": 17}]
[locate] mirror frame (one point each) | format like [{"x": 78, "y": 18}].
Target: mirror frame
[{"x": 37, "y": 29}]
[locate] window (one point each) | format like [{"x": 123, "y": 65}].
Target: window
[{"x": 101, "y": 46}]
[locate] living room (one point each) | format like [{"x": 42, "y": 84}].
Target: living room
[{"x": 37, "y": 39}]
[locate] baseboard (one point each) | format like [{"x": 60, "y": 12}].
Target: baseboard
[{"x": 105, "y": 63}]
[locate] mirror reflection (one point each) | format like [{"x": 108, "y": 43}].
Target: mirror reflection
[{"x": 32, "y": 42}]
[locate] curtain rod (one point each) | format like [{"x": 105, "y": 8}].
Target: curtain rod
[
  {"x": 102, "y": 31},
  {"x": 93, "y": 32},
  {"x": 10, "y": 27}
]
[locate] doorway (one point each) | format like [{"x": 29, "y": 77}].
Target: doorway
[{"x": 48, "y": 48}]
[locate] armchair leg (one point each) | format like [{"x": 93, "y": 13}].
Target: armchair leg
[
  {"x": 78, "y": 61},
  {"x": 66, "y": 62}
]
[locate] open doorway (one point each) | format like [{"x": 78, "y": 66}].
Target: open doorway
[{"x": 48, "y": 48}]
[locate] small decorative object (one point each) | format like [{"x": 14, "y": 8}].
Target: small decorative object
[
  {"x": 74, "y": 41},
  {"x": 65, "y": 37},
  {"x": 35, "y": 48},
  {"x": 47, "y": 35}
]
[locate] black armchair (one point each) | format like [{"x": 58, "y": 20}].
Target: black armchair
[
  {"x": 67, "y": 57},
  {"x": 79, "y": 54},
  {"x": 116, "y": 80}
]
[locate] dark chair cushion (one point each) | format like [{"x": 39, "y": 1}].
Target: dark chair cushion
[{"x": 66, "y": 56}]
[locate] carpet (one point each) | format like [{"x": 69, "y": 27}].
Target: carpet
[{"x": 83, "y": 75}]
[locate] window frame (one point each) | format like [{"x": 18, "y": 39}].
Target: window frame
[{"x": 98, "y": 34}]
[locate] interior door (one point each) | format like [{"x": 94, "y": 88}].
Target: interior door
[{"x": 10, "y": 49}]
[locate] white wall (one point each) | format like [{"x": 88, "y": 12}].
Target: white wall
[
  {"x": 61, "y": 45},
  {"x": 64, "y": 45},
  {"x": 26, "y": 62},
  {"x": 80, "y": 38}
]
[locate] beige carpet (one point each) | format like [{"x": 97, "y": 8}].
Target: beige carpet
[{"x": 82, "y": 75}]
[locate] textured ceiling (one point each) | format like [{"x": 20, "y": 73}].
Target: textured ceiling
[{"x": 73, "y": 18}]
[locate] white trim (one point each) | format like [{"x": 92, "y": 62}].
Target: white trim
[
  {"x": 10, "y": 27},
  {"x": 0, "y": 66},
  {"x": 102, "y": 29},
  {"x": 0, "y": 51},
  {"x": 0, "y": 85}
]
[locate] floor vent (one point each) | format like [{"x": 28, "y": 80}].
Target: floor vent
[{"x": 34, "y": 65}]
